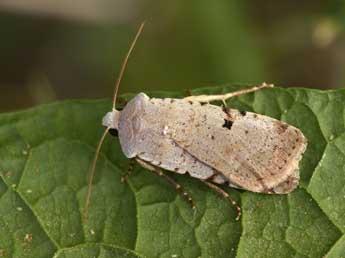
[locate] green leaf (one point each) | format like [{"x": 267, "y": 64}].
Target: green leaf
[{"x": 46, "y": 153}]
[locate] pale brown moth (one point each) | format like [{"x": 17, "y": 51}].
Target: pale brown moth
[{"x": 217, "y": 145}]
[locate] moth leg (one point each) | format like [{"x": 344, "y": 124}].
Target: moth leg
[
  {"x": 124, "y": 178},
  {"x": 159, "y": 172},
  {"x": 226, "y": 195},
  {"x": 224, "y": 97}
]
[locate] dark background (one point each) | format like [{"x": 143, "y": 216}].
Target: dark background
[{"x": 74, "y": 49}]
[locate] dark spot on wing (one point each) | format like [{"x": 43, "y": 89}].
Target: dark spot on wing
[
  {"x": 114, "y": 132},
  {"x": 227, "y": 124},
  {"x": 243, "y": 113},
  {"x": 281, "y": 127},
  {"x": 255, "y": 115},
  {"x": 203, "y": 103}
]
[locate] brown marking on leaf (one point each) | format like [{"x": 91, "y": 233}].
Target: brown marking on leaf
[{"x": 28, "y": 237}]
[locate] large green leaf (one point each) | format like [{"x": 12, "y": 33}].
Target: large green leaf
[{"x": 46, "y": 152}]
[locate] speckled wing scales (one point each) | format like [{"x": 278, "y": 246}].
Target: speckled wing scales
[
  {"x": 151, "y": 140},
  {"x": 252, "y": 151},
  {"x": 247, "y": 150}
]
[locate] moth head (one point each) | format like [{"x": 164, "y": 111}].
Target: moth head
[{"x": 111, "y": 119}]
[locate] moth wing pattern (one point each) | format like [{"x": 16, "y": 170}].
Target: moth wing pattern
[
  {"x": 144, "y": 132},
  {"x": 254, "y": 152},
  {"x": 250, "y": 151}
]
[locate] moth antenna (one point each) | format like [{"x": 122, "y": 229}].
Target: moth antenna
[
  {"x": 124, "y": 64},
  {"x": 93, "y": 167},
  {"x": 92, "y": 172}
]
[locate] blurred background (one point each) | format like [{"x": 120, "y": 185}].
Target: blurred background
[{"x": 55, "y": 50}]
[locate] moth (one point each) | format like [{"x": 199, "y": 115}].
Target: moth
[{"x": 215, "y": 144}]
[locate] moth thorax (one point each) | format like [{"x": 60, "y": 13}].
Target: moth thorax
[{"x": 111, "y": 119}]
